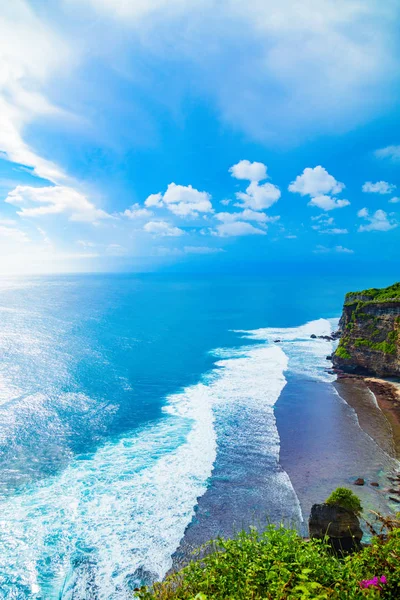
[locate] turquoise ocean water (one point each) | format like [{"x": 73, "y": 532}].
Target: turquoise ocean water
[{"x": 122, "y": 398}]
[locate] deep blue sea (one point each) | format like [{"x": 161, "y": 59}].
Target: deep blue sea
[{"x": 122, "y": 396}]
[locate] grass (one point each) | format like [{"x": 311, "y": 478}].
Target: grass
[
  {"x": 375, "y": 295},
  {"x": 346, "y": 499},
  {"x": 278, "y": 564},
  {"x": 341, "y": 352}
]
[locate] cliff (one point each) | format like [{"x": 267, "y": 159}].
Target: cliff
[{"x": 370, "y": 333}]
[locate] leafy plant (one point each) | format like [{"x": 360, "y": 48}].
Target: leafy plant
[
  {"x": 346, "y": 499},
  {"x": 279, "y": 564}
]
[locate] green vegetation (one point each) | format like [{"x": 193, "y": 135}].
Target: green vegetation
[
  {"x": 375, "y": 295},
  {"x": 346, "y": 499},
  {"x": 278, "y": 564},
  {"x": 341, "y": 352},
  {"x": 385, "y": 347}
]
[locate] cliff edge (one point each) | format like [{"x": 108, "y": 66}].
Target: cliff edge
[{"x": 370, "y": 333}]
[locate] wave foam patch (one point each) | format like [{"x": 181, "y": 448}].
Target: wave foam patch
[
  {"x": 306, "y": 356},
  {"x": 122, "y": 510},
  {"x": 115, "y": 517}
]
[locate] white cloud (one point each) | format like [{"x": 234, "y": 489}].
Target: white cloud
[
  {"x": 380, "y": 187},
  {"x": 322, "y": 219},
  {"x": 54, "y": 200},
  {"x": 316, "y": 182},
  {"x": 340, "y": 249},
  {"x": 202, "y": 250},
  {"x": 246, "y": 215},
  {"x": 183, "y": 201},
  {"x": 377, "y": 222},
  {"x": 30, "y": 54},
  {"x": 162, "y": 229},
  {"x": 137, "y": 212},
  {"x": 154, "y": 200},
  {"x": 259, "y": 197},
  {"x": 334, "y": 231},
  {"x": 237, "y": 228},
  {"x": 244, "y": 169},
  {"x": 391, "y": 152},
  {"x": 394, "y": 200},
  {"x": 343, "y": 250},
  {"x": 327, "y": 202},
  {"x": 363, "y": 212},
  {"x": 295, "y": 70},
  {"x": 186, "y": 201},
  {"x": 13, "y": 234}
]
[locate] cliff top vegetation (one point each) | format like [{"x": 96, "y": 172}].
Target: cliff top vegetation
[{"x": 387, "y": 294}]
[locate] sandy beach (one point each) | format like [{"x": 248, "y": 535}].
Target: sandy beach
[{"x": 386, "y": 397}]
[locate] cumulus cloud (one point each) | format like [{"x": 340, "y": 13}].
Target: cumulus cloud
[
  {"x": 259, "y": 197},
  {"x": 322, "y": 219},
  {"x": 162, "y": 229},
  {"x": 237, "y": 228},
  {"x": 321, "y": 187},
  {"x": 340, "y": 249},
  {"x": 246, "y": 215},
  {"x": 334, "y": 231},
  {"x": 378, "y": 221},
  {"x": 154, "y": 200},
  {"x": 244, "y": 169},
  {"x": 390, "y": 152},
  {"x": 380, "y": 187},
  {"x": 183, "y": 201},
  {"x": 137, "y": 212},
  {"x": 316, "y": 182},
  {"x": 343, "y": 250},
  {"x": 54, "y": 200},
  {"x": 394, "y": 200},
  {"x": 327, "y": 202}
]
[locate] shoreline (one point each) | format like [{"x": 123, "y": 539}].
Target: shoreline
[{"x": 387, "y": 396}]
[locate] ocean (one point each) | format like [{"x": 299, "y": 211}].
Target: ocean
[{"x": 141, "y": 415}]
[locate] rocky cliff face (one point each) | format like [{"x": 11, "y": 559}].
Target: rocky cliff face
[{"x": 370, "y": 333}]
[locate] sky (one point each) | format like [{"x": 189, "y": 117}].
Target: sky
[{"x": 214, "y": 135}]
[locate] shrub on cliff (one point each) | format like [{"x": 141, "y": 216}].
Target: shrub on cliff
[
  {"x": 346, "y": 499},
  {"x": 278, "y": 564}
]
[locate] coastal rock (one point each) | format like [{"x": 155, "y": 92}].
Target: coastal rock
[
  {"x": 329, "y": 357},
  {"x": 277, "y": 341},
  {"x": 370, "y": 333},
  {"x": 340, "y": 525},
  {"x": 359, "y": 481},
  {"x": 374, "y": 484},
  {"x": 313, "y": 336}
]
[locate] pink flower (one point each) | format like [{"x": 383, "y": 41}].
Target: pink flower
[{"x": 374, "y": 582}]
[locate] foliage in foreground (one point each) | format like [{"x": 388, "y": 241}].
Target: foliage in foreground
[
  {"x": 346, "y": 499},
  {"x": 278, "y": 564}
]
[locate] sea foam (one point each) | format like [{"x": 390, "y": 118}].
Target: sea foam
[{"x": 112, "y": 519}]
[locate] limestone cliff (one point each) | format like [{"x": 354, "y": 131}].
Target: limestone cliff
[{"x": 370, "y": 333}]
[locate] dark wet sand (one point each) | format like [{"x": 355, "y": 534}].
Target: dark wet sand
[{"x": 325, "y": 442}]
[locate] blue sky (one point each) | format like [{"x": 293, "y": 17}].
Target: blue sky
[{"x": 175, "y": 134}]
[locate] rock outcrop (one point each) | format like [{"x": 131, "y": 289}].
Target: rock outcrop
[
  {"x": 340, "y": 525},
  {"x": 370, "y": 333}
]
